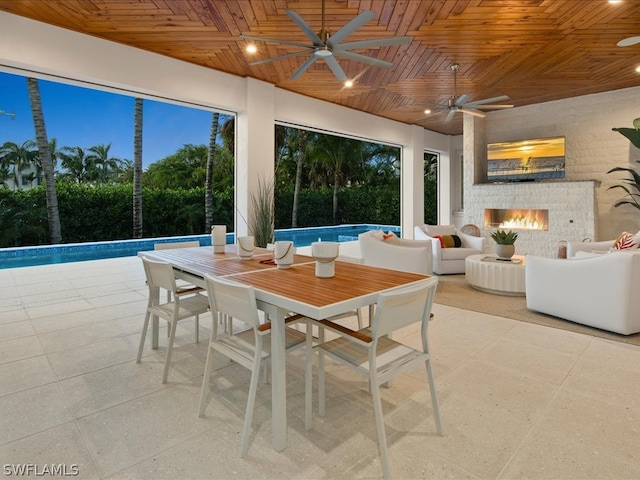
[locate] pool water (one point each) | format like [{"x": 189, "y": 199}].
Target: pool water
[{"x": 78, "y": 252}]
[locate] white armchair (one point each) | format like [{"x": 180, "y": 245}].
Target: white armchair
[
  {"x": 395, "y": 253},
  {"x": 595, "y": 290},
  {"x": 449, "y": 260}
]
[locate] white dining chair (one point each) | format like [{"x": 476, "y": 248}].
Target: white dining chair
[
  {"x": 250, "y": 348},
  {"x": 160, "y": 275},
  {"x": 182, "y": 284},
  {"x": 373, "y": 354}
]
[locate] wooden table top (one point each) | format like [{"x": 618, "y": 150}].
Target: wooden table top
[
  {"x": 296, "y": 288},
  {"x": 351, "y": 280}
]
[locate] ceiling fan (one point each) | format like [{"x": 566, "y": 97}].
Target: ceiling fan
[
  {"x": 457, "y": 103},
  {"x": 329, "y": 47}
]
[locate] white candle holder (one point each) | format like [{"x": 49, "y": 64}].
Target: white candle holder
[
  {"x": 283, "y": 254},
  {"x": 218, "y": 238},
  {"x": 325, "y": 254},
  {"x": 246, "y": 246}
]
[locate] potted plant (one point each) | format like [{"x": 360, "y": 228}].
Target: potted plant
[
  {"x": 505, "y": 243},
  {"x": 631, "y": 186},
  {"x": 261, "y": 223}
]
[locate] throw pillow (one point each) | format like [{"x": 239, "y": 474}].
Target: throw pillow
[
  {"x": 391, "y": 238},
  {"x": 627, "y": 240},
  {"x": 449, "y": 241}
]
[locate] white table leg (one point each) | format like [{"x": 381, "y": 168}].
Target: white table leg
[{"x": 278, "y": 379}]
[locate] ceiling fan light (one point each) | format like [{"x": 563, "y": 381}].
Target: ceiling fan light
[
  {"x": 323, "y": 52},
  {"x": 627, "y": 42}
]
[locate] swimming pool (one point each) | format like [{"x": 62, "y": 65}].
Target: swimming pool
[{"x": 78, "y": 252}]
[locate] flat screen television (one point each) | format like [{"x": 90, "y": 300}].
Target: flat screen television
[{"x": 526, "y": 160}]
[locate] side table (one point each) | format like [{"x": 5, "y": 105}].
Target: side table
[{"x": 487, "y": 273}]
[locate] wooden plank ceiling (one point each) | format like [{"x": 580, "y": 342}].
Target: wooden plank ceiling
[{"x": 531, "y": 50}]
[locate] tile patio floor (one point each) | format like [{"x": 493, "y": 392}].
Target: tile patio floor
[{"x": 518, "y": 400}]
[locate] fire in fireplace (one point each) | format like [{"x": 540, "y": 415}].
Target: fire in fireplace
[{"x": 524, "y": 219}]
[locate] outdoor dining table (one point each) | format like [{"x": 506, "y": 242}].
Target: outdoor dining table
[{"x": 282, "y": 291}]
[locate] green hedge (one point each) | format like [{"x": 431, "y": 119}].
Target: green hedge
[
  {"x": 90, "y": 214},
  {"x": 104, "y": 213}
]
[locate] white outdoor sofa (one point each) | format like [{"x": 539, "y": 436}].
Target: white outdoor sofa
[{"x": 598, "y": 290}]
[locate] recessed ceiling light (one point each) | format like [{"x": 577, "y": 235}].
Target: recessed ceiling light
[
  {"x": 251, "y": 48},
  {"x": 638, "y": 69},
  {"x": 348, "y": 83},
  {"x": 615, "y": 1},
  {"x": 427, "y": 111}
]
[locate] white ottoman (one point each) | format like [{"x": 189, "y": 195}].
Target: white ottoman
[{"x": 487, "y": 273}]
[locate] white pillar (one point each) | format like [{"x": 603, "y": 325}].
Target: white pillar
[{"x": 255, "y": 151}]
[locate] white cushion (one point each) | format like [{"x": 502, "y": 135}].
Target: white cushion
[{"x": 583, "y": 254}]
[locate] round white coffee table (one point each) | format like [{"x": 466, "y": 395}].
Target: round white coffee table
[{"x": 487, "y": 273}]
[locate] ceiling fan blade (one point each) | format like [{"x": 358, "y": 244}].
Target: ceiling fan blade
[
  {"x": 475, "y": 113},
  {"x": 380, "y": 42},
  {"x": 450, "y": 115},
  {"x": 302, "y": 25},
  {"x": 362, "y": 59},
  {"x": 281, "y": 57},
  {"x": 351, "y": 27},
  {"x": 491, "y": 107},
  {"x": 460, "y": 100},
  {"x": 487, "y": 100},
  {"x": 275, "y": 40},
  {"x": 335, "y": 68},
  {"x": 303, "y": 67}
]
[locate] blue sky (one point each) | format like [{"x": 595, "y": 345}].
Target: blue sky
[{"x": 85, "y": 118}]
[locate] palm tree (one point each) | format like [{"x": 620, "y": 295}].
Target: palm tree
[
  {"x": 4, "y": 173},
  {"x": 340, "y": 155},
  {"x": 77, "y": 165},
  {"x": 53, "y": 215},
  {"x": 208, "y": 186},
  {"x": 55, "y": 152},
  {"x": 18, "y": 158},
  {"x": 137, "y": 169},
  {"x": 106, "y": 168},
  {"x": 300, "y": 161}
]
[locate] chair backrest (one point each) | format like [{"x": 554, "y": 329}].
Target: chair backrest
[
  {"x": 380, "y": 253},
  {"x": 171, "y": 245},
  {"x": 233, "y": 299},
  {"x": 159, "y": 274},
  {"x": 403, "y": 307},
  {"x": 433, "y": 230},
  {"x": 471, "y": 229}
]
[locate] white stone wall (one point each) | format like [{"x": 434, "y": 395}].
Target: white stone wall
[
  {"x": 571, "y": 207},
  {"x": 592, "y": 149}
]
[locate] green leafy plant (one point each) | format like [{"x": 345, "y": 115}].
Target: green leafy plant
[
  {"x": 504, "y": 238},
  {"x": 631, "y": 185}
]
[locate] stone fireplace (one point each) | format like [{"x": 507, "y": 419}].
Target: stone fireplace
[
  {"x": 516, "y": 218},
  {"x": 558, "y": 211}
]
